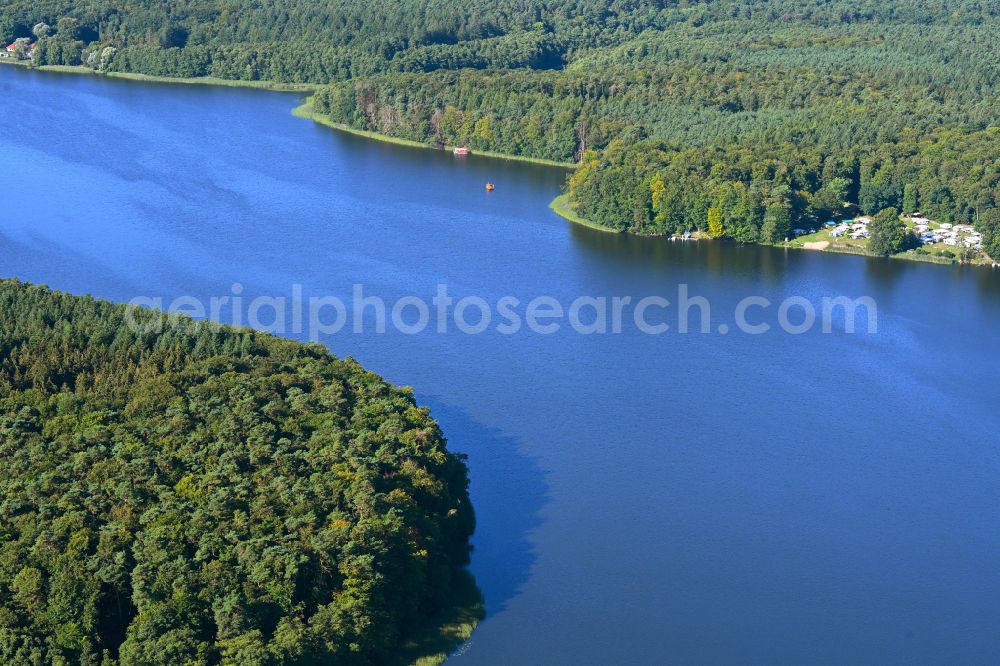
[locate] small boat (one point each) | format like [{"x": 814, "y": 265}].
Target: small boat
[
  {"x": 490, "y": 187},
  {"x": 462, "y": 151}
]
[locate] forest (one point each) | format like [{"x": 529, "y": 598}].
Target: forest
[
  {"x": 770, "y": 113},
  {"x": 185, "y": 493}
]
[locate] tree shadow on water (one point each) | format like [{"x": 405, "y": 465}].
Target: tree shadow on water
[{"x": 508, "y": 490}]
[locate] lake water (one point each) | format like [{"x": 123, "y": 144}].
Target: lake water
[{"x": 642, "y": 499}]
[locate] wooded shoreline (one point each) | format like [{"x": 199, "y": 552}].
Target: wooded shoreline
[{"x": 561, "y": 205}]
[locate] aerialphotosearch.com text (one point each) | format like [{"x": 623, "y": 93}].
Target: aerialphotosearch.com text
[{"x": 682, "y": 312}]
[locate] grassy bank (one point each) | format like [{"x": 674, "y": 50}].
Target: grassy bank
[
  {"x": 821, "y": 241},
  {"x": 911, "y": 255},
  {"x": 521, "y": 158},
  {"x": 562, "y": 207},
  {"x": 307, "y": 111},
  {"x": 201, "y": 80},
  {"x": 933, "y": 258},
  {"x": 212, "y": 81}
]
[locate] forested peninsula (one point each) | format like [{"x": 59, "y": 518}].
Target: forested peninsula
[
  {"x": 737, "y": 119},
  {"x": 184, "y": 493}
]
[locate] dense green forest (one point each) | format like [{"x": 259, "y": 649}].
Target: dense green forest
[
  {"x": 770, "y": 113},
  {"x": 206, "y": 495}
]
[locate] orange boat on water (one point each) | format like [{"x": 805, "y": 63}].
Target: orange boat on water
[
  {"x": 490, "y": 187},
  {"x": 462, "y": 151}
]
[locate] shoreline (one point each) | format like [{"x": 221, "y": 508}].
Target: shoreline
[
  {"x": 447, "y": 632},
  {"x": 305, "y": 110},
  {"x": 903, "y": 256},
  {"x": 562, "y": 207},
  {"x": 146, "y": 78},
  {"x": 559, "y": 205}
]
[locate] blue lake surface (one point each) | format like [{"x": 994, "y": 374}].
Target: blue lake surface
[{"x": 642, "y": 499}]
